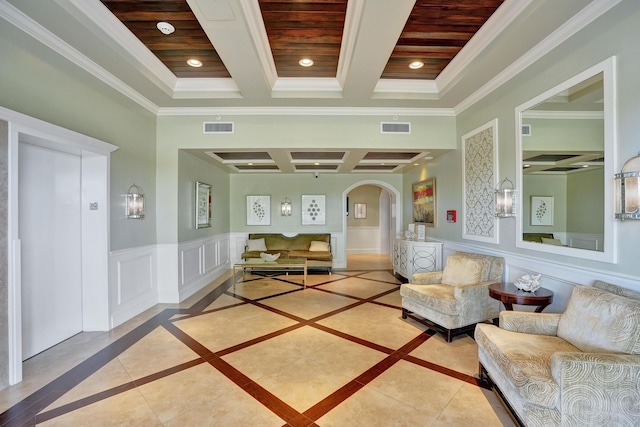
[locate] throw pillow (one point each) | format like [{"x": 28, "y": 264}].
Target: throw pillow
[
  {"x": 549, "y": 241},
  {"x": 256, "y": 245},
  {"x": 463, "y": 270},
  {"x": 317, "y": 246}
]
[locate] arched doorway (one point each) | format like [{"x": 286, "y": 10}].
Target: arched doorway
[{"x": 390, "y": 220}]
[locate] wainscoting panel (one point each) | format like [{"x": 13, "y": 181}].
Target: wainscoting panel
[
  {"x": 363, "y": 240},
  {"x": 201, "y": 261},
  {"x": 132, "y": 284},
  {"x": 190, "y": 262}
]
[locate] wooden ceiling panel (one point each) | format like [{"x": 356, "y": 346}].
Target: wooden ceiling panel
[
  {"x": 304, "y": 29},
  {"x": 188, "y": 41},
  {"x": 434, "y": 33}
]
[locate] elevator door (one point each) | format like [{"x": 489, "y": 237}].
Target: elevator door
[{"x": 51, "y": 239}]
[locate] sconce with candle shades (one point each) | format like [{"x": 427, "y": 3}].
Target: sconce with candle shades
[
  {"x": 505, "y": 199},
  {"x": 627, "y": 190},
  {"x": 135, "y": 203},
  {"x": 285, "y": 207}
]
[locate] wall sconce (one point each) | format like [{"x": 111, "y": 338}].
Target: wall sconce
[
  {"x": 627, "y": 187},
  {"x": 505, "y": 199},
  {"x": 135, "y": 203},
  {"x": 285, "y": 207}
]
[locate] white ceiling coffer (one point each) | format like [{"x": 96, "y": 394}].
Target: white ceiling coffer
[
  {"x": 395, "y": 127},
  {"x": 218, "y": 127}
]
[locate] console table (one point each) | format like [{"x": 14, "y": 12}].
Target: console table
[
  {"x": 509, "y": 294},
  {"x": 414, "y": 256}
]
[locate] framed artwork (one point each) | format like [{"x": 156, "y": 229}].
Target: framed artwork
[
  {"x": 313, "y": 210},
  {"x": 480, "y": 169},
  {"x": 360, "y": 211},
  {"x": 541, "y": 210},
  {"x": 203, "y": 205},
  {"x": 424, "y": 202},
  {"x": 258, "y": 210}
]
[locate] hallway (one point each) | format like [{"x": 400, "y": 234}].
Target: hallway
[{"x": 265, "y": 353}]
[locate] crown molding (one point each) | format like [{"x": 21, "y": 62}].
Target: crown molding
[
  {"x": 349, "y": 38},
  {"x": 563, "y": 115},
  {"x": 583, "y": 18},
  {"x": 102, "y": 18},
  {"x": 491, "y": 29},
  {"x": 251, "y": 9},
  {"x": 305, "y": 111},
  {"x": 18, "y": 19}
]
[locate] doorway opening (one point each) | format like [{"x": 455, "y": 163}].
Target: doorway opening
[{"x": 371, "y": 223}]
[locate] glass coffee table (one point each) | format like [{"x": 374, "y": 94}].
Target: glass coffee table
[{"x": 284, "y": 264}]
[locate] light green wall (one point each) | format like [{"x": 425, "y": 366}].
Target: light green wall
[
  {"x": 558, "y": 135},
  {"x": 41, "y": 84},
  {"x": 613, "y": 34},
  {"x": 294, "y": 186},
  {"x": 585, "y": 196},
  {"x": 545, "y": 185},
  {"x": 370, "y": 195},
  {"x": 447, "y": 172},
  {"x": 190, "y": 170}
]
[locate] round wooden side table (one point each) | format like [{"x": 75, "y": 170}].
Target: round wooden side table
[{"x": 509, "y": 294}]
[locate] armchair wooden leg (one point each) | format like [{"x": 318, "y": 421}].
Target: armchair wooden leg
[
  {"x": 404, "y": 313},
  {"x": 447, "y": 335}
]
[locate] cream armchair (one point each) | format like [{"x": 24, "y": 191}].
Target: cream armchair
[
  {"x": 452, "y": 301},
  {"x": 578, "y": 368}
]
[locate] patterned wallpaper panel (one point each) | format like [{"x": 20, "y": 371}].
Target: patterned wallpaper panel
[{"x": 479, "y": 148}]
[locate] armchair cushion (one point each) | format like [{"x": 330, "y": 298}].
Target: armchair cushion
[
  {"x": 599, "y": 321},
  {"x": 439, "y": 297},
  {"x": 462, "y": 270}
]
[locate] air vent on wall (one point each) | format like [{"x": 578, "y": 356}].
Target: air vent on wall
[
  {"x": 395, "y": 127},
  {"x": 526, "y": 130},
  {"x": 218, "y": 127}
]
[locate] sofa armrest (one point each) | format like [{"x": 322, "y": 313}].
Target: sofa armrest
[
  {"x": 472, "y": 290},
  {"x": 530, "y": 323},
  {"x": 430, "y": 278},
  {"x": 597, "y": 388}
]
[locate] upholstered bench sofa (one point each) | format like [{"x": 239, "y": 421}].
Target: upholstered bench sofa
[
  {"x": 315, "y": 247},
  {"x": 578, "y": 368}
]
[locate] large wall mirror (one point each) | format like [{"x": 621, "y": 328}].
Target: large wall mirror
[{"x": 566, "y": 154}]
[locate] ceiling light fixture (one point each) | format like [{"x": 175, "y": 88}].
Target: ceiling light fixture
[
  {"x": 165, "y": 28},
  {"x": 194, "y": 62},
  {"x": 306, "y": 62},
  {"x": 416, "y": 64}
]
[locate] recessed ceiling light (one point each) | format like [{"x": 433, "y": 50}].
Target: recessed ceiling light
[
  {"x": 194, "y": 62},
  {"x": 416, "y": 64},
  {"x": 585, "y": 166},
  {"x": 306, "y": 62},
  {"x": 526, "y": 166},
  {"x": 165, "y": 27}
]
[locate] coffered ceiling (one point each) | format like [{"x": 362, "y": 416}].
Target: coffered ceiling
[
  {"x": 250, "y": 52},
  {"x": 434, "y": 32}
]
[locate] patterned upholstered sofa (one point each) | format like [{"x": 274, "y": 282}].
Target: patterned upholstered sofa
[
  {"x": 315, "y": 247},
  {"x": 578, "y": 368}
]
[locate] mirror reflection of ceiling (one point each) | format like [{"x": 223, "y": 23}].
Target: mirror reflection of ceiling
[{"x": 583, "y": 100}]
